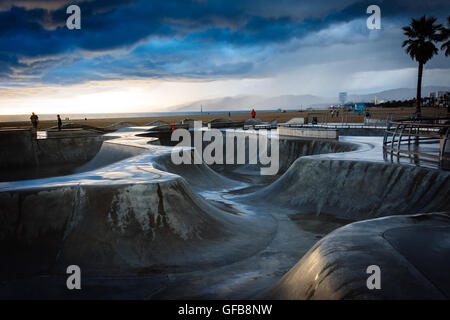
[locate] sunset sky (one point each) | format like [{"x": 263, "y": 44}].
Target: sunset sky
[{"x": 144, "y": 56}]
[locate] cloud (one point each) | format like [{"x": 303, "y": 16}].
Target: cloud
[{"x": 182, "y": 39}]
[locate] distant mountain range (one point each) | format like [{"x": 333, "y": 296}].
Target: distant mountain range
[
  {"x": 298, "y": 101},
  {"x": 396, "y": 94}
]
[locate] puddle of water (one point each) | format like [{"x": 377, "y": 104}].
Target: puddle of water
[{"x": 320, "y": 224}]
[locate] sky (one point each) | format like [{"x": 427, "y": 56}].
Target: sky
[{"x": 147, "y": 55}]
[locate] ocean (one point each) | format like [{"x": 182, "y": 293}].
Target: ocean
[{"x": 74, "y": 116}]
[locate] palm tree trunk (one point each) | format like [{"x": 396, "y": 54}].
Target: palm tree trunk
[{"x": 419, "y": 91}]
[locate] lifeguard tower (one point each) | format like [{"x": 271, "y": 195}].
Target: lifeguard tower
[{"x": 358, "y": 108}]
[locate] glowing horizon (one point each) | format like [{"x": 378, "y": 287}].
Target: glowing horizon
[{"x": 128, "y": 96}]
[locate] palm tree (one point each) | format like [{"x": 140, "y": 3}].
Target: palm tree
[
  {"x": 445, "y": 36},
  {"x": 423, "y": 33}
]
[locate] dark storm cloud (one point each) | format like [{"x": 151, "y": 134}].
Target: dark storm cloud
[{"x": 192, "y": 38}]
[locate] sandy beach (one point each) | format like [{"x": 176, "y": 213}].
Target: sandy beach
[{"x": 322, "y": 115}]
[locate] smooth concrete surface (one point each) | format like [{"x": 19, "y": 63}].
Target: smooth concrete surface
[
  {"x": 356, "y": 189},
  {"x": 142, "y": 228},
  {"x": 24, "y": 157},
  {"x": 412, "y": 252},
  {"x": 19, "y": 149}
]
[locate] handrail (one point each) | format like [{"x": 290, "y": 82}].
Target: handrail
[
  {"x": 443, "y": 125},
  {"x": 410, "y": 133}
]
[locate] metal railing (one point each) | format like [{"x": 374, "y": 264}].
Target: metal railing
[
  {"x": 378, "y": 116},
  {"x": 419, "y": 139}
]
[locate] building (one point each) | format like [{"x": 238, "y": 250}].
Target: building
[
  {"x": 342, "y": 97},
  {"x": 439, "y": 99},
  {"x": 439, "y": 94}
]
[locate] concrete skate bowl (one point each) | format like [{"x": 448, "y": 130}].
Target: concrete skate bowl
[
  {"x": 150, "y": 227},
  {"x": 356, "y": 190},
  {"x": 289, "y": 151},
  {"x": 126, "y": 213},
  {"x": 23, "y": 157},
  {"x": 120, "y": 219},
  {"x": 144, "y": 220},
  {"x": 412, "y": 251},
  {"x": 240, "y": 168},
  {"x": 412, "y": 254}
]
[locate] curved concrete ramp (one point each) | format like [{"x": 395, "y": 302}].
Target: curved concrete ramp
[
  {"x": 110, "y": 153},
  {"x": 200, "y": 176},
  {"x": 22, "y": 157},
  {"x": 291, "y": 149},
  {"x": 144, "y": 227},
  {"x": 356, "y": 190},
  {"x": 412, "y": 252}
]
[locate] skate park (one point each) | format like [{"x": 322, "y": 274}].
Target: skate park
[{"x": 141, "y": 227}]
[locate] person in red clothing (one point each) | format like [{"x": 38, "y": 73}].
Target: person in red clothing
[{"x": 253, "y": 113}]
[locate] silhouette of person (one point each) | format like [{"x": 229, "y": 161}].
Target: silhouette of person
[
  {"x": 59, "y": 122},
  {"x": 34, "y": 120},
  {"x": 253, "y": 113}
]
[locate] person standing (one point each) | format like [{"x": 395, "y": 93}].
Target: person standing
[
  {"x": 253, "y": 113},
  {"x": 34, "y": 121},
  {"x": 59, "y": 122}
]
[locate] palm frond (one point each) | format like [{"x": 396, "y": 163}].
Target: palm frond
[{"x": 422, "y": 35}]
